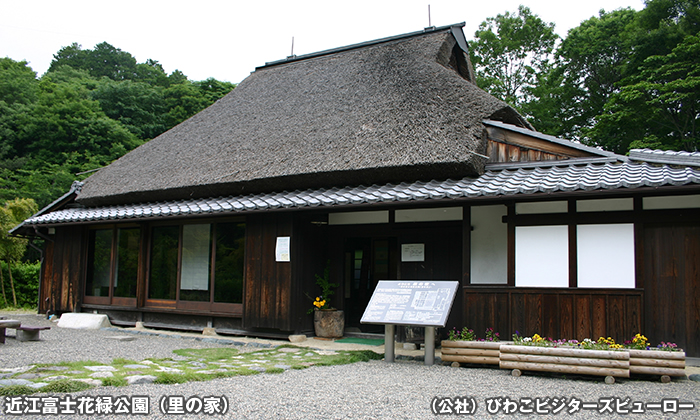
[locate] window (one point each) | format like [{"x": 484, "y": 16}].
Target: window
[
  {"x": 197, "y": 264},
  {"x": 113, "y": 261}
]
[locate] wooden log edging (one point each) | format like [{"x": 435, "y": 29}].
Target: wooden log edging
[
  {"x": 472, "y": 352},
  {"x": 655, "y": 362},
  {"x": 620, "y": 363},
  {"x": 566, "y": 360}
]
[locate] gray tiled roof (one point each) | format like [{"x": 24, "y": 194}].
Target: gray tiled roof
[
  {"x": 666, "y": 156},
  {"x": 573, "y": 177}
]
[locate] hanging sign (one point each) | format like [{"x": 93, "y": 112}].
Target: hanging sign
[
  {"x": 412, "y": 252},
  {"x": 282, "y": 249}
]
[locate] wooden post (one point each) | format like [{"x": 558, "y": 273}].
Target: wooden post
[
  {"x": 429, "y": 346},
  {"x": 389, "y": 343}
]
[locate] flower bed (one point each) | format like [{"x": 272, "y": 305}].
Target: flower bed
[
  {"x": 600, "y": 358},
  {"x": 477, "y": 352},
  {"x": 464, "y": 347},
  {"x": 565, "y": 360}
]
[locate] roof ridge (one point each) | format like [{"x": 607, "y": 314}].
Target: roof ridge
[{"x": 295, "y": 58}]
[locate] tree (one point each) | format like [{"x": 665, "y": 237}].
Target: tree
[
  {"x": 591, "y": 61},
  {"x": 12, "y": 249},
  {"x": 509, "y": 51},
  {"x": 103, "y": 60},
  {"x": 659, "y": 108}
]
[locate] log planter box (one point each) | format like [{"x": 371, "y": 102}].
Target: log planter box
[
  {"x": 610, "y": 364},
  {"x": 474, "y": 352},
  {"x": 657, "y": 362}
]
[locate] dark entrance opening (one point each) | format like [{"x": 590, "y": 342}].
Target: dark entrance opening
[{"x": 366, "y": 261}]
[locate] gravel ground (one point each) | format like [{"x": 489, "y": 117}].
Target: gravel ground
[{"x": 368, "y": 390}]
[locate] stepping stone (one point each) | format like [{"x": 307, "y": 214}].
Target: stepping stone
[
  {"x": 20, "y": 369},
  {"x": 198, "y": 364},
  {"x": 53, "y": 368},
  {"x": 37, "y": 385},
  {"x": 136, "y": 366},
  {"x": 285, "y": 367},
  {"x": 171, "y": 370},
  {"x": 140, "y": 379},
  {"x": 11, "y": 382},
  {"x": 257, "y": 368},
  {"x": 55, "y": 378},
  {"x": 288, "y": 350},
  {"x": 101, "y": 368},
  {"x": 93, "y": 382},
  {"x": 102, "y": 375},
  {"x": 30, "y": 376},
  {"x": 122, "y": 338}
]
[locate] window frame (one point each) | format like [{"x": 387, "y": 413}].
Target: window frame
[
  {"x": 110, "y": 299},
  {"x": 235, "y": 309}
]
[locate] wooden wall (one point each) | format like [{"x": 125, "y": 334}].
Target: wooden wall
[
  {"x": 672, "y": 285},
  {"x": 62, "y": 271},
  {"x": 556, "y": 313},
  {"x": 267, "y": 288}
]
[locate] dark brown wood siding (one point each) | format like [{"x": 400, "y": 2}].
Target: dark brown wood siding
[
  {"x": 555, "y": 313},
  {"x": 62, "y": 271},
  {"x": 267, "y": 282},
  {"x": 672, "y": 285}
]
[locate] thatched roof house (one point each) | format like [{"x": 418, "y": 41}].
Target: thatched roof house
[
  {"x": 353, "y": 156},
  {"x": 376, "y": 112}
]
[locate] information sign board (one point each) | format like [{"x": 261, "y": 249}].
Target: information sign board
[{"x": 415, "y": 302}]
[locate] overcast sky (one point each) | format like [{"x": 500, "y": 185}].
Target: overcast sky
[{"x": 228, "y": 39}]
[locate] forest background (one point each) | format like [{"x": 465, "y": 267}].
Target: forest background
[{"x": 620, "y": 80}]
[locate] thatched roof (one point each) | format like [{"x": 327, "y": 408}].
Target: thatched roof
[{"x": 398, "y": 109}]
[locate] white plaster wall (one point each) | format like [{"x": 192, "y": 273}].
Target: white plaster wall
[
  {"x": 605, "y": 256},
  {"x": 542, "y": 256}
]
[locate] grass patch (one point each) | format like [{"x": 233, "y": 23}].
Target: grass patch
[
  {"x": 190, "y": 365},
  {"x": 12, "y": 390},
  {"x": 114, "y": 381},
  {"x": 120, "y": 362},
  {"x": 65, "y": 385},
  {"x": 211, "y": 354},
  {"x": 347, "y": 357}
]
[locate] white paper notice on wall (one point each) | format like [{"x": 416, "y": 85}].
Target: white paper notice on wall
[
  {"x": 282, "y": 249},
  {"x": 412, "y": 252}
]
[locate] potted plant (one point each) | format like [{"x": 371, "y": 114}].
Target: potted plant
[{"x": 329, "y": 322}]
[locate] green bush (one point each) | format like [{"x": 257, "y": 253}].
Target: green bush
[{"x": 26, "y": 279}]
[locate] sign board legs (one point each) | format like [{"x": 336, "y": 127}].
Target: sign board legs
[
  {"x": 389, "y": 343},
  {"x": 429, "y": 346}
]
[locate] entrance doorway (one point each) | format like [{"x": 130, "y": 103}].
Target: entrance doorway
[{"x": 366, "y": 261}]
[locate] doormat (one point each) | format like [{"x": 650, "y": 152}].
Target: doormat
[{"x": 366, "y": 341}]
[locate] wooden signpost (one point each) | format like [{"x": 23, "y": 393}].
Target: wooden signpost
[{"x": 416, "y": 303}]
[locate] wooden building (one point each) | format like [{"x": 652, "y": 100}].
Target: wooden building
[{"x": 353, "y": 156}]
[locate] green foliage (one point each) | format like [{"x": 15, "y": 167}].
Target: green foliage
[
  {"x": 64, "y": 386},
  {"x": 659, "y": 107},
  {"x": 13, "y": 390},
  {"x": 90, "y": 108},
  {"x": 26, "y": 280},
  {"x": 590, "y": 62},
  {"x": 509, "y": 51}
]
